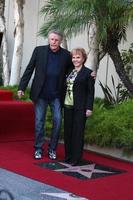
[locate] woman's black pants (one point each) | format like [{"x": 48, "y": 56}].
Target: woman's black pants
[{"x": 74, "y": 125}]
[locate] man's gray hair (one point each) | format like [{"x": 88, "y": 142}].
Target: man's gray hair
[{"x": 56, "y": 32}]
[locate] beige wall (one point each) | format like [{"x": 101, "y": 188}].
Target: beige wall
[{"x": 33, "y": 20}]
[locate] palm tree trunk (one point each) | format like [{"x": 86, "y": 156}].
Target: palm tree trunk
[
  {"x": 5, "y": 66},
  {"x": 64, "y": 43},
  {"x": 114, "y": 53},
  {"x": 93, "y": 60},
  {"x": 5, "y": 60},
  {"x": 18, "y": 45}
]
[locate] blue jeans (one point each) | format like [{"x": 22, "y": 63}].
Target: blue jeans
[{"x": 40, "y": 115}]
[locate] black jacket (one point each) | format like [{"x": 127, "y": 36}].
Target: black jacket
[
  {"x": 38, "y": 65},
  {"x": 83, "y": 90}
]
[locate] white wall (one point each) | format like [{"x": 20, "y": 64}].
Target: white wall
[{"x": 32, "y": 24}]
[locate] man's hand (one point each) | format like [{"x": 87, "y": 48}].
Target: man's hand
[
  {"x": 93, "y": 74},
  {"x": 88, "y": 113},
  {"x": 20, "y": 93}
]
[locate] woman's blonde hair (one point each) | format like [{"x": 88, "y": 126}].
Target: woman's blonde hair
[{"x": 80, "y": 51}]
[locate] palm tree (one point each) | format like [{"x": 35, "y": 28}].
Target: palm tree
[{"x": 110, "y": 17}]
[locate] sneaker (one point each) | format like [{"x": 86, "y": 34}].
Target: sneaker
[
  {"x": 52, "y": 155},
  {"x": 38, "y": 154}
]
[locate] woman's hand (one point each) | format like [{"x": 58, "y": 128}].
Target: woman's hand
[{"x": 88, "y": 113}]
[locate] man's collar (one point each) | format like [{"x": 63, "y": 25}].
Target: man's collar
[{"x": 50, "y": 50}]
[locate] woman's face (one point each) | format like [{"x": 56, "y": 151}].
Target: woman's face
[{"x": 77, "y": 60}]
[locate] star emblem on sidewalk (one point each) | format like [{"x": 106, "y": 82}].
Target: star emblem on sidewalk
[
  {"x": 85, "y": 170},
  {"x": 66, "y": 196}
]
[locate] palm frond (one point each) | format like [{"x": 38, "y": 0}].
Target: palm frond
[{"x": 73, "y": 16}]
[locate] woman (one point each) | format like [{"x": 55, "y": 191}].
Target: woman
[{"x": 78, "y": 106}]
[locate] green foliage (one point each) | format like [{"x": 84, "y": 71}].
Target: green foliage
[
  {"x": 118, "y": 95},
  {"x": 127, "y": 57},
  {"x": 73, "y": 17},
  {"x": 111, "y": 127}
]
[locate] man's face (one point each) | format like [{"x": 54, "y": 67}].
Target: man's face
[{"x": 54, "y": 41}]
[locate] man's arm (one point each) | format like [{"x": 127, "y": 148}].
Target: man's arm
[
  {"x": 27, "y": 74},
  {"x": 93, "y": 74}
]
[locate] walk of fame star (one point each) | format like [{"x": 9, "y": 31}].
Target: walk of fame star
[
  {"x": 87, "y": 170},
  {"x": 65, "y": 196}
]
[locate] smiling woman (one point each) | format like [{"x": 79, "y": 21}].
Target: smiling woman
[
  {"x": 78, "y": 106},
  {"x": 79, "y": 57}
]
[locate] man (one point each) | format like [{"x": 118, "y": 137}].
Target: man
[{"x": 50, "y": 65}]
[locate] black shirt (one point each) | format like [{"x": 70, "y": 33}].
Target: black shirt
[{"x": 49, "y": 91}]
